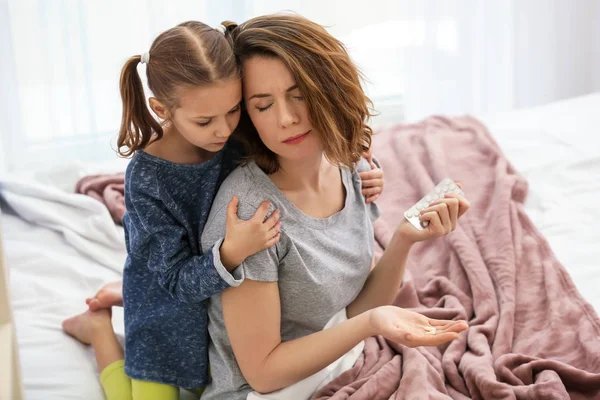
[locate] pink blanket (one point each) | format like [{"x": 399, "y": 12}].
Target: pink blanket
[
  {"x": 531, "y": 336},
  {"x": 107, "y": 189}
]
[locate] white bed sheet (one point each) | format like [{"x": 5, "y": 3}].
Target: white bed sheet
[
  {"x": 556, "y": 147},
  {"x": 50, "y": 281}
]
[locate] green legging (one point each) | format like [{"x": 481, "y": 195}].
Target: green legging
[{"x": 118, "y": 386}]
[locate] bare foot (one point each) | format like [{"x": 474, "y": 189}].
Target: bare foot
[
  {"x": 89, "y": 325},
  {"x": 108, "y": 296}
]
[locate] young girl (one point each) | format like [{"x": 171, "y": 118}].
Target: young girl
[{"x": 171, "y": 181}]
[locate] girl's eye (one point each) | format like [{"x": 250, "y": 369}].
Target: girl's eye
[
  {"x": 204, "y": 123},
  {"x": 236, "y": 109},
  {"x": 264, "y": 108},
  {"x": 299, "y": 98}
]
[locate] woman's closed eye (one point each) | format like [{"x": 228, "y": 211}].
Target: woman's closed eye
[
  {"x": 261, "y": 109},
  {"x": 204, "y": 123}
]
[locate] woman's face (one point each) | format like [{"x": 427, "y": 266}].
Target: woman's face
[{"x": 278, "y": 110}]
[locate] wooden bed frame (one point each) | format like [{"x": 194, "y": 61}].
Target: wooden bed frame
[{"x": 10, "y": 373}]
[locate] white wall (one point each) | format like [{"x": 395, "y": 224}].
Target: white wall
[
  {"x": 596, "y": 49},
  {"x": 556, "y": 50},
  {"x": 7, "y": 85}
]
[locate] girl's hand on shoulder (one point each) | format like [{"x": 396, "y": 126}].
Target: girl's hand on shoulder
[
  {"x": 245, "y": 238},
  {"x": 372, "y": 181},
  {"x": 442, "y": 217}
]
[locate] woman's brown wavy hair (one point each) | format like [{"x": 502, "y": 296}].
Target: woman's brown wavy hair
[{"x": 326, "y": 76}]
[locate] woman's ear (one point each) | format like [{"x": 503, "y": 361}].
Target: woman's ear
[{"x": 159, "y": 109}]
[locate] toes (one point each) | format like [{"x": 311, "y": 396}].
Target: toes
[
  {"x": 69, "y": 325},
  {"x": 94, "y": 305}
]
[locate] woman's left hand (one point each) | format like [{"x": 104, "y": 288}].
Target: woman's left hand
[
  {"x": 372, "y": 181},
  {"x": 442, "y": 217}
]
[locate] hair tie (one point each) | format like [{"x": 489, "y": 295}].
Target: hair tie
[
  {"x": 145, "y": 58},
  {"x": 221, "y": 28}
]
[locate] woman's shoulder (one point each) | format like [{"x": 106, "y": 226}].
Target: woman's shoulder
[{"x": 250, "y": 185}]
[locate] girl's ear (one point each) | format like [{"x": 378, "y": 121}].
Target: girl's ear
[{"x": 159, "y": 109}]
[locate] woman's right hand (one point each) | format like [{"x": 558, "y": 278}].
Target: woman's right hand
[
  {"x": 413, "y": 329},
  {"x": 442, "y": 217},
  {"x": 245, "y": 238}
]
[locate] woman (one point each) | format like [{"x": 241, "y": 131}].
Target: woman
[{"x": 307, "y": 110}]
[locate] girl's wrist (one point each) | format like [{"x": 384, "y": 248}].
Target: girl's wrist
[{"x": 229, "y": 258}]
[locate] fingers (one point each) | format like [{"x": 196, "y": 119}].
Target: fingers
[
  {"x": 441, "y": 322},
  {"x": 272, "y": 220},
  {"x": 449, "y": 326},
  {"x": 434, "y": 340},
  {"x": 274, "y": 230},
  {"x": 271, "y": 242},
  {"x": 232, "y": 209},
  {"x": 371, "y": 191},
  {"x": 261, "y": 211},
  {"x": 375, "y": 182},
  {"x": 452, "y": 204},
  {"x": 425, "y": 339},
  {"x": 443, "y": 218},
  {"x": 368, "y": 155},
  {"x": 433, "y": 220},
  {"x": 463, "y": 203},
  {"x": 371, "y": 199},
  {"x": 375, "y": 173}
]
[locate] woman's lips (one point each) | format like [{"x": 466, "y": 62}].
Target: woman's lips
[{"x": 297, "y": 139}]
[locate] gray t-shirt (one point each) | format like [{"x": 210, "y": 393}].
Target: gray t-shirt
[{"x": 320, "y": 265}]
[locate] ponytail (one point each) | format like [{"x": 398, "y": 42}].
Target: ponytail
[
  {"x": 138, "y": 126},
  {"x": 229, "y": 31}
]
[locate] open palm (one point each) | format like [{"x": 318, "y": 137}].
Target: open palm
[{"x": 413, "y": 329}]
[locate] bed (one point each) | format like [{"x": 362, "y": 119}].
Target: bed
[{"x": 60, "y": 247}]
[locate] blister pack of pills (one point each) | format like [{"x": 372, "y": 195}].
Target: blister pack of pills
[{"x": 447, "y": 186}]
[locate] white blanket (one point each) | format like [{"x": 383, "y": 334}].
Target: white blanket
[{"x": 83, "y": 221}]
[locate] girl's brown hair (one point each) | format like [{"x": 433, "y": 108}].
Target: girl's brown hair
[
  {"x": 188, "y": 55},
  {"x": 326, "y": 76}
]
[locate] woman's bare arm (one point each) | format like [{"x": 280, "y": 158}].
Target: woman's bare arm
[{"x": 253, "y": 319}]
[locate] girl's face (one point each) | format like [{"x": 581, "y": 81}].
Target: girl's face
[
  {"x": 208, "y": 115},
  {"x": 278, "y": 110}
]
